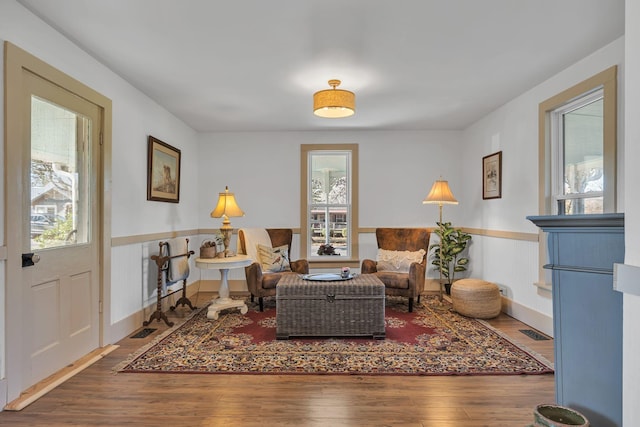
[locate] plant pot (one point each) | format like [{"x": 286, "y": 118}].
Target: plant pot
[
  {"x": 208, "y": 252},
  {"x": 558, "y": 416},
  {"x": 447, "y": 288}
]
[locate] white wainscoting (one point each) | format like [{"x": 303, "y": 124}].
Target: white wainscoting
[
  {"x": 134, "y": 280},
  {"x": 508, "y": 259},
  {"x": 512, "y": 264}
]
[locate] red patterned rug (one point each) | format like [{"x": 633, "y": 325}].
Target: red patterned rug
[{"x": 430, "y": 341}]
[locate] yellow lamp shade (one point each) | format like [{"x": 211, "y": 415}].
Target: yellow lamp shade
[
  {"x": 226, "y": 207},
  {"x": 440, "y": 194},
  {"x": 334, "y": 103}
]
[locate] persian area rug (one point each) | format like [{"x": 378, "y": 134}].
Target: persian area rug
[{"x": 433, "y": 340}]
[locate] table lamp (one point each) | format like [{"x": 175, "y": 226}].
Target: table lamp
[
  {"x": 226, "y": 208},
  {"x": 440, "y": 194}
]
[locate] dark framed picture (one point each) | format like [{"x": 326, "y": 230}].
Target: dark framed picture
[
  {"x": 492, "y": 176},
  {"x": 163, "y": 171}
]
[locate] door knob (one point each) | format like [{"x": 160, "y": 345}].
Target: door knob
[{"x": 30, "y": 259}]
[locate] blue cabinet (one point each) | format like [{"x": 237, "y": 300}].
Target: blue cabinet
[{"x": 587, "y": 312}]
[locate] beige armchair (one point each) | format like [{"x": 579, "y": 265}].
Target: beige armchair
[
  {"x": 262, "y": 283},
  {"x": 400, "y": 275}
]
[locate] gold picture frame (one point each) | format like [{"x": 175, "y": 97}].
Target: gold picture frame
[
  {"x": 492, "y": 176},
  {"x": 163, "y": 171}
]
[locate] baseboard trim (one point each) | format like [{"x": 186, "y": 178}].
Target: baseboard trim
[
  {"x": 527, "y": 315},
  {"x": 3, "y": 393},
  {"x": 38, "y": 390},
  {"x": 124, "y": 327}
]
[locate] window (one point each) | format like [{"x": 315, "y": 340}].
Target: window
[
  {"x": 577, "y": 155},
  {"x": 329, "y": 203},
  {"x": 577, "y": 138},
  {"x": 60, "y": 192}
]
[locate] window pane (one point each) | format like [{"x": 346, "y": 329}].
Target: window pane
[
  {"x": 586, "y": 205},
  {"x": 329, "y": 178},
  {"x": 583, "y": 149},
  {"x": 329, "y": 207},
  {"x": 59, "y": 214}
]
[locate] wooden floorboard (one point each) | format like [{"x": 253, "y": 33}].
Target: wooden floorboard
[{"x": 97, "y": 397}]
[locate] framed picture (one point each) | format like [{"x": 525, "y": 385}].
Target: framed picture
[
  {"x": 163, "y": 171},
  {"x": 492, "y": 176}
]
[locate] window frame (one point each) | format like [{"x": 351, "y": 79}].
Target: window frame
[
  {"x": 607, "y": 80},
  {"x": 353, "y": 259}
]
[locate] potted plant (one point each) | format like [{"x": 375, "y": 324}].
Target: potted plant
[
  {"x": 326, "y": 249},
  {"x": 447, "y": 254}
]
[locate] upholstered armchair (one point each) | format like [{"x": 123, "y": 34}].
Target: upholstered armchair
[
  {"x": 271, "y": 259},
  {"x": 401, "y": 262}
]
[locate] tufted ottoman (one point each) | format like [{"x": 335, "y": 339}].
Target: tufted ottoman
[{"x": 476, "y": 298}]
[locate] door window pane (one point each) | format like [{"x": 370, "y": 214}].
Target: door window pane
[{"x": 59, "y": 185}]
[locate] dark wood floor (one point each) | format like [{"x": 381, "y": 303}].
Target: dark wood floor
[{"x": 97, "y": 397}]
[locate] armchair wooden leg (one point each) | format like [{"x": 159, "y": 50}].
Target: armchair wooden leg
[
  {"x": 251, "y": 297},
  {"x": 261, "y": 303},
  {"x": 410, "y": 305},
  {"x": 418, "y": 298}
]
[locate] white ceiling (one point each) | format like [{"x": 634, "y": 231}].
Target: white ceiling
[{"x": 253, "y": 65}]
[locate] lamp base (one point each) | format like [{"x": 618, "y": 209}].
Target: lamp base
[{"x": 226, "y": 241}]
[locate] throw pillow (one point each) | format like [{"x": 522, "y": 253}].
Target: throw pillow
[
  {"x": 253, "y": 237},
  {"x": 398, "y": 261},
  {"x": 273, "y": 260}
]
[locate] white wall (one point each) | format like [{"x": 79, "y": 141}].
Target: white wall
[
  {"x": 396, "y": 171},
  {"x": 513, "y": 129},
  {"x": 631, "y": 310}
]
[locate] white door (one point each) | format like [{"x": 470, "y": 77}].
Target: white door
[{"x": 60, "y": 228}]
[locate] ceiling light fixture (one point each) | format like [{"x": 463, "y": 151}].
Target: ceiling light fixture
[{"x": 334, "y": 103}]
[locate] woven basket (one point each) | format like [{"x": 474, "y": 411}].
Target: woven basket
[
  {"x": 476, "y": 298},
  {"x": 329, "y": 309},
  {"x": 208, "y": 252}
]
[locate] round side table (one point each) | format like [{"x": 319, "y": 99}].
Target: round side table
[{"x": 224, "y": 265}]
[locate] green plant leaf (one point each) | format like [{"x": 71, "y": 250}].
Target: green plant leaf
[{"x": 456, "y": 250}]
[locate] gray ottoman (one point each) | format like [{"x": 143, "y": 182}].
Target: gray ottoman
[{"x": 476, "y": 298}]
